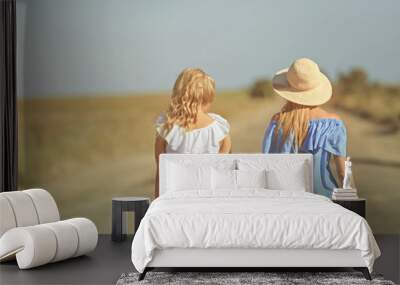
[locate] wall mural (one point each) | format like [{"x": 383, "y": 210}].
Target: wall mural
[{"x": 94, "y": 75}]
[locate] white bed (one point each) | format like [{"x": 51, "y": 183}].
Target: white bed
[{"x": 203, "y": 220}]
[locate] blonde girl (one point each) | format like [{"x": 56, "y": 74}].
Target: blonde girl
[
  {"x": 304, "y": 126},
  {"x": 186, "y": 126}
]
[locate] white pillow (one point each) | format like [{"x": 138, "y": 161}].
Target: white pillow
[
  {"x": 224, "y": 164},
  {"x": 251, "y": 178},
  {"x": 188, "y": 177},
  {"x": 292, "y": 178},
  {"x": 236, "y": 179},
  {"x": 224, "y": 179}
]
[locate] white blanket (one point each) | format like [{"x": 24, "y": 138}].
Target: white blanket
[{"x": 250, "y": 219}]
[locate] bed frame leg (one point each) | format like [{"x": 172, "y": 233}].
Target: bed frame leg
[
  {"x": 364, "y": 271},
  {"x": 143, "y": 274}
]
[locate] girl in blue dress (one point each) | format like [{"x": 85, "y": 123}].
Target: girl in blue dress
[{"x": 302, "y": 126}]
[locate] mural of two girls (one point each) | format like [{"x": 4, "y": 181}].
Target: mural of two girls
[{"x": 301, "y": 126}]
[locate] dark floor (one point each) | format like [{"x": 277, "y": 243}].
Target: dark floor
[
  {"x": 103, "y": 266},
  {"x": 110, "y": 260}
]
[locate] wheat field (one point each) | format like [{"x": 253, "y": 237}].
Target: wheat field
[{"x": 86, "y": 150}]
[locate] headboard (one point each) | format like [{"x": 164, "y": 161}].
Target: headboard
[{"x": 232, "y": 160}]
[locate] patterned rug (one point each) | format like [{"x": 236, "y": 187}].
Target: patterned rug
[{"x": 243, "y": 278}]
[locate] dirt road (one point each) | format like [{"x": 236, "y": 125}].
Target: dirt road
[{"x": 87, "y": 190}]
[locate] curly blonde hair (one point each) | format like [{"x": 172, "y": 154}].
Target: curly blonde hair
[{"x": 192, "y": 89}]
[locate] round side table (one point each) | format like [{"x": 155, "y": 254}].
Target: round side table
[{"x": 139, "y": 205}]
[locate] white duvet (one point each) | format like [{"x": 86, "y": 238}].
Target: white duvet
[{"x": 250, "y": 219}]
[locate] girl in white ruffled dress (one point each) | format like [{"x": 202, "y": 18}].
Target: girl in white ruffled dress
[{"x": 187, "y": 127}]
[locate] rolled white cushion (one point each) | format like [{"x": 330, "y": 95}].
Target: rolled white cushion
[
  {"x": 67, "y": 239},
  {"x": 87, "y": 234},
  {"x": 33, "y": 246},
  {"x": 26, "y": 208},
  {"x": 40, "y": 244},
  {"x": 7, "y": 218},
  {"x": 46, "y": 207},
  {"x": 23, "y": 208}
]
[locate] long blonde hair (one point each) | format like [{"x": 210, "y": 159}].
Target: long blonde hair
[
  {"x": 293, "y": 120},
  {"x": 192, "y": 89}
]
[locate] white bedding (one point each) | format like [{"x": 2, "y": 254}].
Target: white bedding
[{"x": 251, "y": 218}]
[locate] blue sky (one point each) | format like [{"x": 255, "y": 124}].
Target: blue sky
[{"x": 103, "y": 46}]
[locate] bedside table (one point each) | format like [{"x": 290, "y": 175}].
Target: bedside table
[
  {"x": 139, "y": 205},
  {"x": 358, "y": 206}
]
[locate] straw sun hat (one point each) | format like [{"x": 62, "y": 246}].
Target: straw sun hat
[{"x": 303, "y": 83}]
